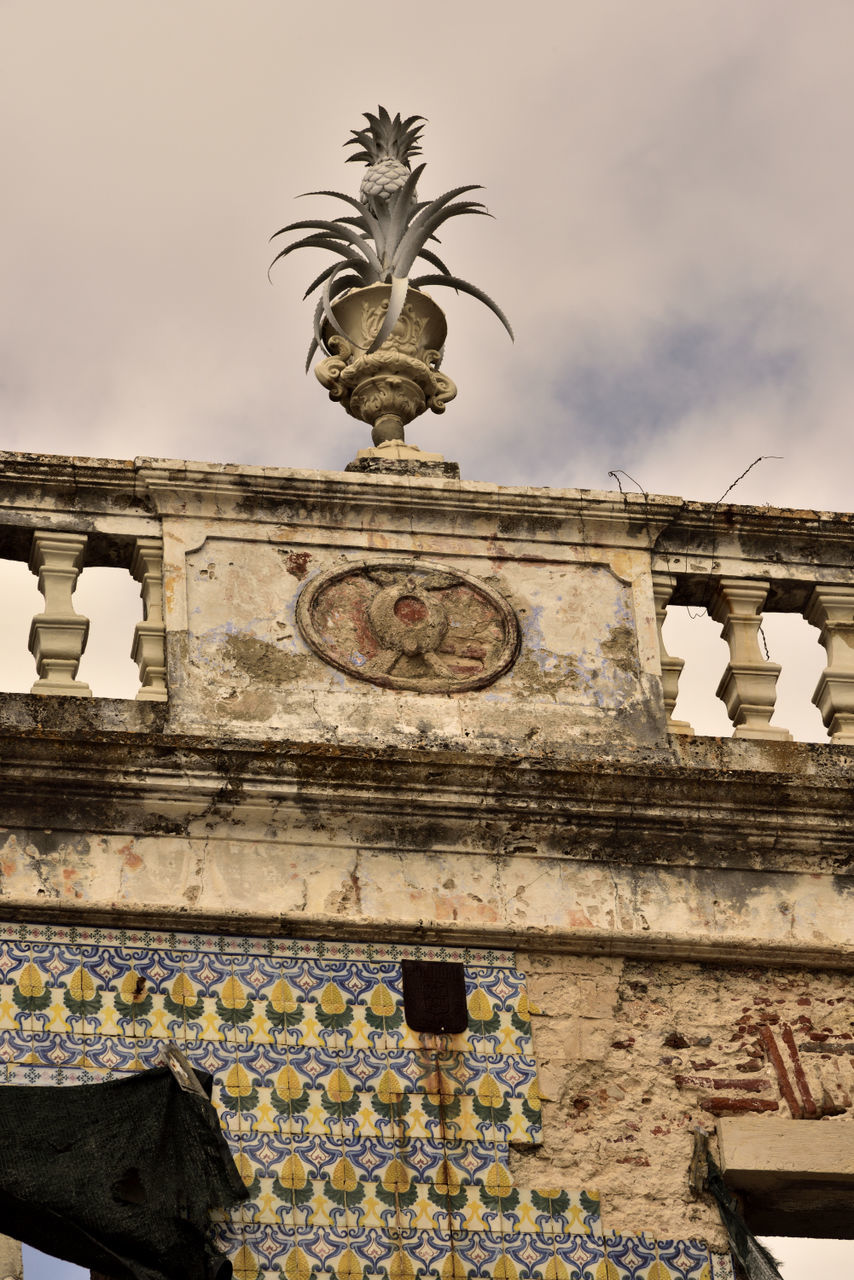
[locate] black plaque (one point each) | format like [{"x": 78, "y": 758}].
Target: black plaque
[{"x": 434, "y": 996}]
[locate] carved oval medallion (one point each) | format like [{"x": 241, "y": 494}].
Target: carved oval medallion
[{"x": 409, "y": 625}]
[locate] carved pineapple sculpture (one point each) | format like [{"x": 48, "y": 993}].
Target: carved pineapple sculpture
[
  {"x": 371, "y": 305},
  {"x": 386, "y": 147}
]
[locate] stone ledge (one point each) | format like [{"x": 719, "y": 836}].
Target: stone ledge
[
  {"x": 32, "y": 714},
  {"x": 796, "y": 1177},
  {"x": 701, "y": 803}
]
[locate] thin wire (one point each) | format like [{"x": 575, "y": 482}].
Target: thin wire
[{"x": 615, "y": 475}]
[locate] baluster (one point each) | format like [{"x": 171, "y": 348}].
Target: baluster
[
  {"x": 671, "y": 668},
  {"x": 149, "y": 639},
  {"x": 748, "y": 686},
  {"x": 831, "y": 608},
  {"x": 58, "y": 635}
]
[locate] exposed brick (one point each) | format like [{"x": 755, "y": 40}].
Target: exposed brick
[
  {"x": 733, "y": 1074},
  {"x": 810, "y": 1109},
  {"x": 727, "y": 1106},
  {"x": 783, "y": 1080},
  {"x": 709, "y": 1082}
]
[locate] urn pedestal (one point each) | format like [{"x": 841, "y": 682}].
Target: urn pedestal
[{"x": 388, "y": 387}]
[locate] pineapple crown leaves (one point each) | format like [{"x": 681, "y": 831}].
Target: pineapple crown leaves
[
  {"x": 386, "y": 137},
  {"x": 379, "y": 243}
]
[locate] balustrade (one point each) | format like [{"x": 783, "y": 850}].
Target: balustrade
[
  {"x": 58, "y": 635},
  {"x": 748, "y": 684},
  {"x": 738, "y": 564},
  {"x": 149, "y": 642}
]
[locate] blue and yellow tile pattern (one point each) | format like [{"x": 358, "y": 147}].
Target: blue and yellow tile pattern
[{"x": 369, "y": 1150}]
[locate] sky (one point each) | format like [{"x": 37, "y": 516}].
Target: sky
[
  {"x": 672, "y": 203},
  {"x": 672, "y": 200},
  {"x": 672, "y": 196}
]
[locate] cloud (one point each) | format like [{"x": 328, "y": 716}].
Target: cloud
[{"x": 672, "y": 202}]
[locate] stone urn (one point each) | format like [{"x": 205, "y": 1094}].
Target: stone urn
[{"x": 393, "y": 384}]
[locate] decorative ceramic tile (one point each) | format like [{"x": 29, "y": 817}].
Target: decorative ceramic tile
[
  {"x": 530, "y": 1255},
  {"x": 268, "y": 1151},
  {"x": 122, "y": 1055},
  {"x": 632, "y": 1256},
  {"x": 321, "y": 1247},
  {"x": 524, "y": 1124},
  {"x": 37, "y": 1076},
  {"x": 420, "y": 1254},
  {"x": 370, "y": 1152},
  {"x": 216, "y": 944},
  {"x": 479, "y": 1252},
  {"x": 685, "y": 1259},
  {"x": 470, "y": 1160},
  {"x": 267, "y": 1244},
  {"x": 722, "y": 1267},
  {"x": 554, "y": 1212}
]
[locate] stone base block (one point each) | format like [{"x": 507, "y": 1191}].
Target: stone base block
[
  {"x": 396, "y": 459},
  {"x": 53, "y": 687},
  {"x": 680, "y": 726},
  {"x": 771, "y": 732}
]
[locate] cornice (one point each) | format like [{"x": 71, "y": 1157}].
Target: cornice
[
  {"x": 276, "y": 496},
  {"x": 73, "y": 489},
  {"x": 704, "y": 807}
]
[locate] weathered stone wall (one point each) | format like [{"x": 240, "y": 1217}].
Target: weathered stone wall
[
  {"x": 635, "y": 1055},
  {"x": 734, "y": 851},
  {"x": 683, "y": 904}
]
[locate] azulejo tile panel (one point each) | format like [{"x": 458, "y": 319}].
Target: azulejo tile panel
[
  {"x": 158, "y": 941},
  {"x": 368, "y": 1150}
]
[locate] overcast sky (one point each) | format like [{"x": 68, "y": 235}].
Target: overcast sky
[{"x": 673, "y": 200}]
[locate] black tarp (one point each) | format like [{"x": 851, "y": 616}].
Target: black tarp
[
  {"x": 757, "y": 1262},
  {"x": 118, "y": 1177}
]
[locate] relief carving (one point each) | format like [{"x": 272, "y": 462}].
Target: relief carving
[{"x": 409, "y": 625}]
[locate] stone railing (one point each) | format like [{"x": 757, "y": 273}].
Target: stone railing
[
  {"x": 741, "y": 564},
  {"x": 58, "y": 634},
  {"x": 61, "y": 516}
]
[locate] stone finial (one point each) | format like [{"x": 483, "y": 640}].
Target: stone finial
[
  {"x": 389, "y": 387},
  {"x": 382, "y": 336}
]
